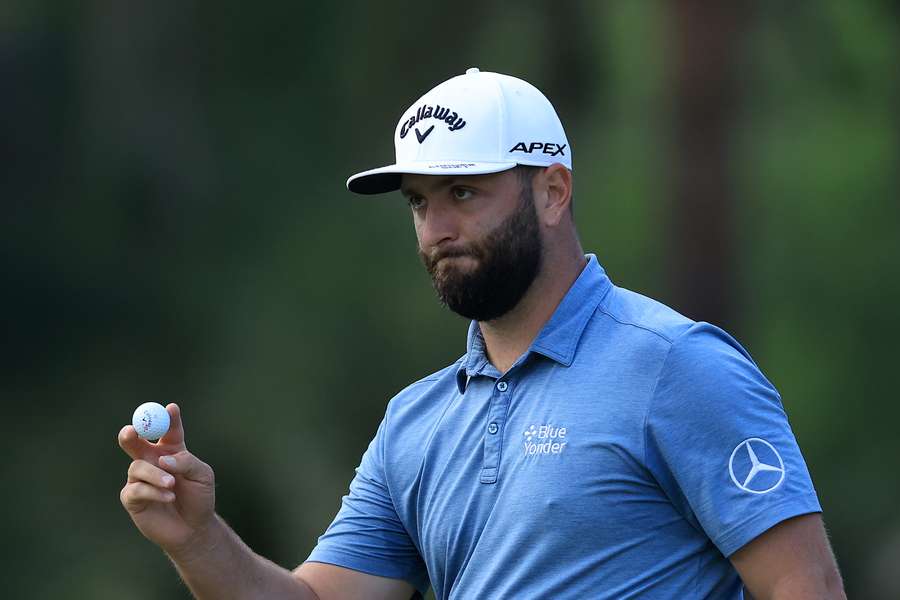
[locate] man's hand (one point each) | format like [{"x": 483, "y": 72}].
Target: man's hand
[{"x": 170, "y": 493}]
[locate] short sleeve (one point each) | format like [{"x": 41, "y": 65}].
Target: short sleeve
[
  {"x": 718, "y": 441},
  {"x": 367, "y": 534}
]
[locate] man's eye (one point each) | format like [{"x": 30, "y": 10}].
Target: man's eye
[
  {"x": 416, "y": 202},
  {"x": 462, "y": 193}
]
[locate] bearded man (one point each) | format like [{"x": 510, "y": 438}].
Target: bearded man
[{"x": 590, "y": 443}]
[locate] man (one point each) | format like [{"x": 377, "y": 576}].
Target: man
[{"x": 591, "y": 443}]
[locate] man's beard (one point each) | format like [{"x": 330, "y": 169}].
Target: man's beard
[{"x": 509, "y": 259}]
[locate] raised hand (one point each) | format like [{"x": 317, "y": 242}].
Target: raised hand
[{"x": 169, "y": 493}]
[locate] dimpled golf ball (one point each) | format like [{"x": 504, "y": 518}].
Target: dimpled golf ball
[{"x": 151, "y": 420}]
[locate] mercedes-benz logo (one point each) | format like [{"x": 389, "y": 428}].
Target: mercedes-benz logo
[{"x": 754, "y": 475}]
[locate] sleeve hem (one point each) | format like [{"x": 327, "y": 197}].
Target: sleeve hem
[
  {"x": 741, "y": 534},
  {"x": 370, "y": 566}
]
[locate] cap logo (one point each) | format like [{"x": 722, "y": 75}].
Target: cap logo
[
  {"x": 441, "y": 113},
  {"x": 546, "y": 148},
  {"x": 421, "y": 136}
]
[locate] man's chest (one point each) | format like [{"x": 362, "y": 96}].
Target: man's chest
[{"x": 510, "y": 463}]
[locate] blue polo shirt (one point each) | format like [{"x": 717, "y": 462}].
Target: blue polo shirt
[{"x": 626, "y": 454}]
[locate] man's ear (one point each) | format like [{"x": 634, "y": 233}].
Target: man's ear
[{"x": 553, "y": 187}]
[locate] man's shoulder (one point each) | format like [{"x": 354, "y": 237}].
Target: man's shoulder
[
  {"x": 445, "y": 374},
  {"x": 682, "y": 338},
  {"x": 643, "y": 315},
  {"x": 429, "y": 391}
]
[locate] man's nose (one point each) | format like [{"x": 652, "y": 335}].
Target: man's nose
[{"x": 439, "y": 224}]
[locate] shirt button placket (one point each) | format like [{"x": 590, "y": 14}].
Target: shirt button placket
[{"x": 493, "y": 442}]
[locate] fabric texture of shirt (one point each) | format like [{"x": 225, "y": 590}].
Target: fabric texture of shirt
[{"x": 626, "y": 454}]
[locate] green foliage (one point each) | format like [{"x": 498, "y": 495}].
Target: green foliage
[{"x": 176, "y": 229}]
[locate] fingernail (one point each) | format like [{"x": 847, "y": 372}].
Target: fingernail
[
  {"x": 169, "y": 496},
  {"x": 168, "y": 480},
  {"x": 169, "y": 461}
]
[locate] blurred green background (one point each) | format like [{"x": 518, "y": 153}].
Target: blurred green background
[{"x": 176, "y": 228}]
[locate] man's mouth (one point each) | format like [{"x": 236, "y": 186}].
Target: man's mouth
[{"x": 454, "y": 258}]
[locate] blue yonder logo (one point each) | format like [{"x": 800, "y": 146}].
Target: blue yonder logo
[{"x": 545, "y": 439}]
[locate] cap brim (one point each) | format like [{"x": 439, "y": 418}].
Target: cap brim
[{"x": 387, "y": 179}]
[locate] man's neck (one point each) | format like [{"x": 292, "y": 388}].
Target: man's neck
[{"x": 509, "y": 336}]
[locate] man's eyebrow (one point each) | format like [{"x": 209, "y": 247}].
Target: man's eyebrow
[{"x": 438, "y": 182}]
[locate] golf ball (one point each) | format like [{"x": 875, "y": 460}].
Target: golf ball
[{"x": 151, "y": 420}]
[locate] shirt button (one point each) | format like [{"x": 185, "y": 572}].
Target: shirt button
[
  {"x": 502, "y": 386},
  {"x": 493, "y": 428}
]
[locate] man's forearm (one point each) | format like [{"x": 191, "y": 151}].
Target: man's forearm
[{"x": 222, "y": 567}]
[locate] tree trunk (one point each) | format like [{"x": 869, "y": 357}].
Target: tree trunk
[{"x": 704, "y": 40}]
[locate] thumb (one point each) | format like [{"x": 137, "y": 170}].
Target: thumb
[{"x": 188, "y": 466}]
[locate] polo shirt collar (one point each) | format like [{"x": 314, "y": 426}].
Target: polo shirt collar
[{"x": 559, "y": 337}]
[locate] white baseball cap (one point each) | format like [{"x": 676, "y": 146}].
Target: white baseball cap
[{"x": 472, "y": 124}]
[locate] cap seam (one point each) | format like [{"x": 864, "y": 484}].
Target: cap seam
[{"x": 501, "y": 130}]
